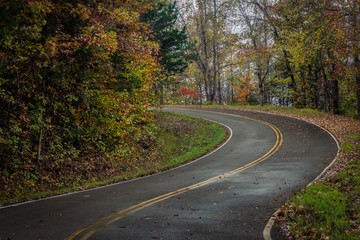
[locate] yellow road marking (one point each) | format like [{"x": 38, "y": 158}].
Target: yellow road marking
[{"x": 123, "y": 213}]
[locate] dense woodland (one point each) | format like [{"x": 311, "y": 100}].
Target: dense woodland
[
  {"x": 77, "y": 81},
  {"x": 78, "y": 78},
  {"x": 293, "y": 53}
]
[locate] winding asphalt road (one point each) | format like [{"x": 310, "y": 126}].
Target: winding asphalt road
[{"x": 229, "y": 194}]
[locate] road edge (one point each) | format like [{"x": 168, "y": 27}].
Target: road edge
[
  {"x": 150, "y": 202},
  {"x": 229, "y": 136},
  {"x": 269, "y": 225}
]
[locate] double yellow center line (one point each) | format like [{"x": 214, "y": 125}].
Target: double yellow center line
[{"x": 103, "y": 222}]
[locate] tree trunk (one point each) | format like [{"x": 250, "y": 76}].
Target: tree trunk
[
  {"x": 261, "y": 94},
  {"x": 219, "y": 91},
  {"x": 201, "y": 93},
  {"x": 335, "y": 96},
  {"x": 214, "y": 43},
  {"x": 317, "y": 89},
  {"x": 287, "y": 62},
  {"x": 39, "y": 146},
  {"x": 334, "y": 87},
  {"x": 289, "y": 71},
  {"x": 161, "y": 90},
  {"x": 201, "y": 26},
  {"x": 357, "y": 76},
  {"x": 232, "y": 90},
  {"x": 326, "y": 90}
]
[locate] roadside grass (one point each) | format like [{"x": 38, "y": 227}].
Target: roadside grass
[
  {"x": 329, "y": 208},
  {"x": 264, "y": 108},
  {"x": 179, "y": 139},
  {"x": 271, "y": 108},
  {"x": 187, "y": 139}
]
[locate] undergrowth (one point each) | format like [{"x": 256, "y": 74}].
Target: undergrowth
[{"x": 176, "y": 139}]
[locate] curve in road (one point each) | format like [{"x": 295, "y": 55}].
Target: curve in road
[
  {"x": 226, "y": 195},
  {"x": 123, "y": 213}
]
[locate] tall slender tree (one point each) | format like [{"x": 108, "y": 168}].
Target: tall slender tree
[{"x": 174, "y": 50}]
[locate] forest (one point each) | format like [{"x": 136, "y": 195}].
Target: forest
[
  {"x": 303, "y": 54},
  {"x": 79, "y": 79}
]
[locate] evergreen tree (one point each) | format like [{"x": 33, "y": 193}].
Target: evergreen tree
[{"x": 173, "y": 41}]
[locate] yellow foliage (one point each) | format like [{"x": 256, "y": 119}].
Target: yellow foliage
[{"x": 244, "y": 89}]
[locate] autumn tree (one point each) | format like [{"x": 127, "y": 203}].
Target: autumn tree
[
  {"x": 350, "y": 12},
  {"x": 257, "y": 41},
  {"x": 174, "y": 50},
  {"x": 302, "y": 53},
  {"x": 76, "y": 81},
  {"x": 187, "y": 95},
  {"x": 244, "y": 88},
  {"x": 207, "y": 25},
  {"x": 313, "y": 35}
]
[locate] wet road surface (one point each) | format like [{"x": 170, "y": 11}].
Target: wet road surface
[{"x": 229, "y": 194}]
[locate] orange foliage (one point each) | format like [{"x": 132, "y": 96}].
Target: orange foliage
[{"x": 244, "y": 90}]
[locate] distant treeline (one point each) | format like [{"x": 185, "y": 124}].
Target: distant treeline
[{"x": 302, "y": 53}]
